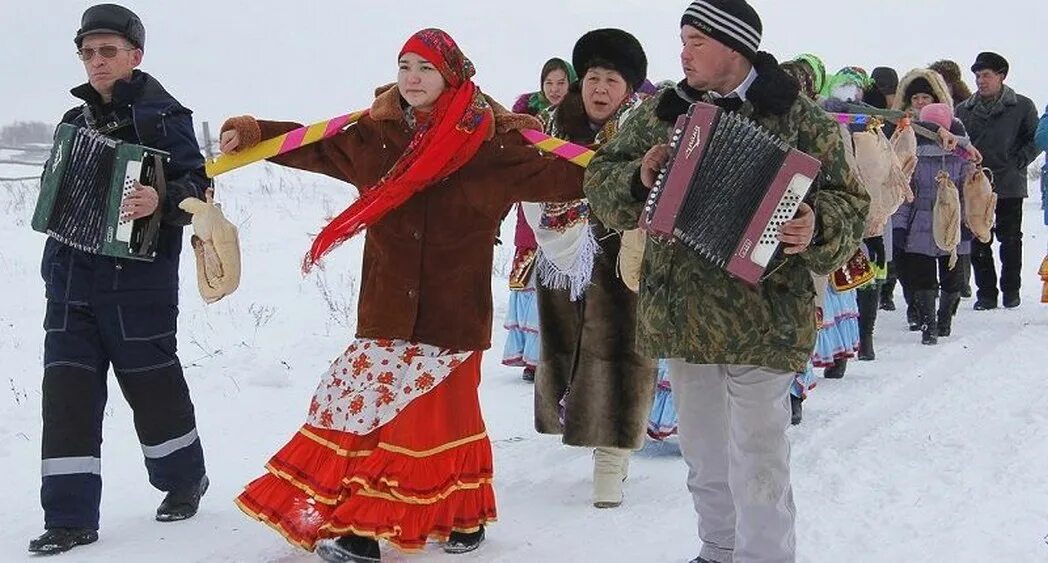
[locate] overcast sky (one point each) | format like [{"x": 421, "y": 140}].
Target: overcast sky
[{"x": 307, "y": 60}]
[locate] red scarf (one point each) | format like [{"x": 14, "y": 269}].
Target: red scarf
[{"x": 443, "y": 143}]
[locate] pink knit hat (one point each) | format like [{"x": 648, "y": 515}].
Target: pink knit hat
[{"x": 939, "y": 114}]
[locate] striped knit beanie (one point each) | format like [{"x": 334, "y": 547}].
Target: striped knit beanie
[{"x": 733, "y": 23}]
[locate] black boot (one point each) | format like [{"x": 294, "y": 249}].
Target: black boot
[
  {"x": 926, "y": 309},
  {"x": 888, "y": 289},
  {"x": 797, "y": 410},
  {"x": 948, "y": 303},
  {"x": 965, "y": 264},
  {"x": 868, "y": 305},
  {"x": 462, "y": 542},
  {"x": 182, "y": 504},
  {"x": 528, "y": 375},
  {"x": 836, "y": 371},
  {"x": 58, "y": 540},
  {"x": 349, "y": 549}
]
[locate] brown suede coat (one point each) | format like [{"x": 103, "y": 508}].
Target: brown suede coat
[{"x": 426, "y": 275}]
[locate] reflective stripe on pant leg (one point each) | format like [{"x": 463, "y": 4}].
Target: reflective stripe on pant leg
[
  {"x": 152, "y": 381},
  {"x": 74, "y": 398}
]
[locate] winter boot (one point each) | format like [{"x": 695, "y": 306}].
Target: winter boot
[
  {"x": 58, "y": 540},
  {"x": 1011, "y": 299},
  {"x": 888, "y": 289},
  {"x": 463, "y": 542},
  {"x": 182, "y": 504},
  {"x": 836, "y": 371},
  {"x": 868, "y": 306},
  {"x": 798, "y": 412},
  {"x": 965, "y": 263},
  {"x": 349, "y": 549},
  {"x": 948, "y": 303},
  {"x": 926, "y": 308},
  {"x": 610, "y": 468}
]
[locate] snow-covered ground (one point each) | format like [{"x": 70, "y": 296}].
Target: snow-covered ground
[{"x": 928, "y": 454}]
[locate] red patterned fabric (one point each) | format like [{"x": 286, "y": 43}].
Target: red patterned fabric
[
  {"x": 423, "y": 475},
  {"x": 442, "y": 143}
]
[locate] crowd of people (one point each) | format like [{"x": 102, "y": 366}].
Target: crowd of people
[{"x": 622, "y": 335}]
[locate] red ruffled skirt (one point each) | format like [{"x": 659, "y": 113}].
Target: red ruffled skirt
[{"x": 423, "y": 475}]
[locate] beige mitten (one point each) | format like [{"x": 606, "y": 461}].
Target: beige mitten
[
  {"x": 980, "y": 204},
  {"x": 216, "y": 245},
  {"x": 631, "y": 257},
  {"x": 946, "y": 217}
]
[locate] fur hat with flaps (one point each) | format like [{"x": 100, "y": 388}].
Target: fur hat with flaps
[
  {"x": 612, "y": 49},
  {"x": 951, "y": 72},
  {"x": 936, "y": 86}
]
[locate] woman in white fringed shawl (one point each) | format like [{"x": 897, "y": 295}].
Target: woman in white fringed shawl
[{"x": 591, "y": 385}]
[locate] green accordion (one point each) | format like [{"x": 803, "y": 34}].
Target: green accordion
[{"x": 84, "y": 183}]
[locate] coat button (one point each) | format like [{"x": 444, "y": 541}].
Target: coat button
[
  {"x": 417, "y": 235},
  {"x": 412, "y": 293}
]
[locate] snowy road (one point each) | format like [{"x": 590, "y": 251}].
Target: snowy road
[{"x": 928, "y": 454}]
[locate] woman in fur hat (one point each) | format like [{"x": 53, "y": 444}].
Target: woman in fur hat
[
  {"x": 394, "y": 446},
  {"x": 917, "y": 89},
  {"x": 522, "y": 313},
  {"x": 931, "y": 279},
  {"x": 591, "y": 385},
  {"x": 951, "y": 73}
]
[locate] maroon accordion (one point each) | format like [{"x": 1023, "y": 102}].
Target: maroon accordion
[{"x": 728, "y": 188}]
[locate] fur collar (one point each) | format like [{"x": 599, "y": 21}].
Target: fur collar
[
  {"x": 389, "y": 106},
  {"x": 942, "y": 91},
  {"x": 773, "y": 92}
]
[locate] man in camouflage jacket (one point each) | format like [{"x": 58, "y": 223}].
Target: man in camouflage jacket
[{"x": 733, "y": 349}]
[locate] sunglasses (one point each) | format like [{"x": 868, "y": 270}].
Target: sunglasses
[{"x": 107, "y": 51}]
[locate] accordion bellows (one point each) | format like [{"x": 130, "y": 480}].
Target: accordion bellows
[
  {"x": 728, "y": 188},
  {"x": 83, "y": 185}
]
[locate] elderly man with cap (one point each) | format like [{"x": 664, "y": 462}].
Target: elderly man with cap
[
  {"x": 104, "y": 311},
  {"x": 1001, "y": 124},
  {"x": 733, "y": 349}
]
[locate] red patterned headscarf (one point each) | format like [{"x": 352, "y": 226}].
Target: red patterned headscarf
[{"x": 443, "y": 143}]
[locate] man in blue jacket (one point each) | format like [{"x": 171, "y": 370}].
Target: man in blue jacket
[
  {"x": 104, "y": 311},
  {"x": 1001, "y": 124}
]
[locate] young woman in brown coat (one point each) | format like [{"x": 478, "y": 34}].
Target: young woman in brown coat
[{"x": 394, "y": 446}]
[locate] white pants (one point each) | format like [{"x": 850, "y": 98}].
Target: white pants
[{"x": 732, "y": 432}]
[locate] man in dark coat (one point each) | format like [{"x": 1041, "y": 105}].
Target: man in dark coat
[
  {"x": 1002, "y": 125},
  {"x": 104, "y": 311}
]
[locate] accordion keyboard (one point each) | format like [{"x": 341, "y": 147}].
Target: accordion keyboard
[
  {"x": 132, "y": 173},
  {"x": 784, "y": 212}
]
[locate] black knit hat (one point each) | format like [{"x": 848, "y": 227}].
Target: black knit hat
[
  {"x": 886, "y": 80},
  {"x": 613, "y": 49},
  {"x": 920, "y": 85},
  {"x": 731, "y": 22},
  {"x": 991, "y": 61},
  {"x": 114, "y": 19}
]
